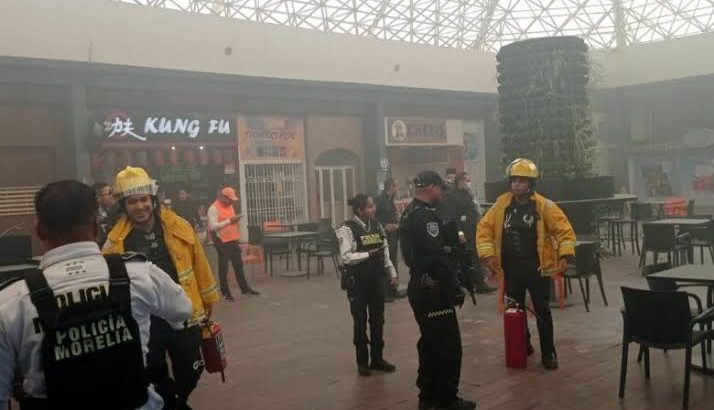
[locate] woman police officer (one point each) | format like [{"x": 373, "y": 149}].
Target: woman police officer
[{"x": 364, "y": 254}]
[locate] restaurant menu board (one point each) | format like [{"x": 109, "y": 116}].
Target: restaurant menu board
[{"x": 270, "y": 138}]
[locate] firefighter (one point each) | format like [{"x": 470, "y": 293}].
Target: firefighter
[
  {"x": 529, "y": 239},
  {"x": 433, "y": 292},
  {"x": 170, "y": 243},
  {"x": 364, "y": 254}
]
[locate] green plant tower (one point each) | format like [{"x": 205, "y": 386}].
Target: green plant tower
[{"x": 544, "y": 105}]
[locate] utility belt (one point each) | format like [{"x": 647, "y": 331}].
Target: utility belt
[{"x": 350, "y": 275}]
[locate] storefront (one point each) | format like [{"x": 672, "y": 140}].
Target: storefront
[
  {"x": 190, "y": 151},
  {"x": 272, "y": 169},
  {"x": 684, "y": 169},
  {"x": 416, "y": 144}
]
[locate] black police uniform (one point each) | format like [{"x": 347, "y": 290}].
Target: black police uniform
[
  {"x": 459, "y": 209},
  {"x": 366, "y": 292},
  {"x": 387, "y": 214},
  {"x": 519, "y": 253},
  {"x": 432, "y": 289}
]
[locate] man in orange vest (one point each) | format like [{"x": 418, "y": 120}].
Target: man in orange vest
[{"x": 223, "y": 223}]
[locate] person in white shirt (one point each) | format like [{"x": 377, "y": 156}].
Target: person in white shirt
[
  {"x": 77, "y": 274},
  {"x": 364, "y": 254}
]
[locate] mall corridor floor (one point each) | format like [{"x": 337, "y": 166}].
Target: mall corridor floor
[{"x": 291, "y": 348}]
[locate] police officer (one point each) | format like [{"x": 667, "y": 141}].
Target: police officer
[
  {"x": 459, "y": 208},
  {"x": 364, "y": 253},
  {"x": 388, "y": 216},
  {"x": 97, "y": 361},
  {"x": 530, "y": 239},
  {"x": 433, "y": 290}
]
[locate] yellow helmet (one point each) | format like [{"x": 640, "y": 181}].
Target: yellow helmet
[
  {"x": 522, "y": 167},
  {"x": 134, "y": 181}
]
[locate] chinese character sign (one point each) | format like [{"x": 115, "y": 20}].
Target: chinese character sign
[
  {"x": 121, "y": 126},
  {"x": 271, "y": 137}
]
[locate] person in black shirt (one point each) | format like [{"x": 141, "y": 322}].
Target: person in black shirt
[
  {"x": 364, "y": 254},
  {"x": 387, "y": 216},
  {"x": 528, "y": 239},
  {"x": 433, "y": 292},
  {"x": 459, "y": 207},
  {"x": 185, "y": 208},
  {"x": 108, "y": 212}
]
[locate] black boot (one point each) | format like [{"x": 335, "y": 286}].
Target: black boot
[
  {"x": 550, "y": 361},
  {"x": 383, "y": 365},
  {"x": 362, "y": 354},
  {"x": 459, "y": 404},
  {"x": 425, "y": 404}
]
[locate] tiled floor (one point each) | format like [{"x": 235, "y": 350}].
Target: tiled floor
[{"x": 291, "y": 348}]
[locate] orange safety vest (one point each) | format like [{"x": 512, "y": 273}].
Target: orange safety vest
[{"x": 231, "y": 232}]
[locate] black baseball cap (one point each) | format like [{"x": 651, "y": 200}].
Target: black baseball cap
[{"x": 426, "y": 178}]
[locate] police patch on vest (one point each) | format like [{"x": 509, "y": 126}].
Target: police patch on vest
[
  {"x": 432, "y": 228},
  {"x": 91, "y": 337},
  {"x": 371, "y": 239}
]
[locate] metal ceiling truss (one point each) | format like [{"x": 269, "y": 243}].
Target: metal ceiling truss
[{"x": 471, "y": 24}]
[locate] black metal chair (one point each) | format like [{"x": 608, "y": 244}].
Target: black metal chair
[
  {"x": 669, "y": 285},
  {"x": 662, "y": 320},
  {"x": 306, "y": 245},
  {"x": 326, "y": 245},
  {"x": 587, "y": 264},
  {"x": 655, "y": 283},
  {"x": 606, "y": 217},
  {"x": 639, "y": 212},
  {"x": 703, "y": 239},
  {"x": 15, "y": 249},
  {"x": 659, "y": 238},
  {"x": 271, "y": 247}
]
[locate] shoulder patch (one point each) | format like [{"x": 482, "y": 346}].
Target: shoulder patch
[
  {"x": 134, "y": 257},
  {"x": 432, "y": 228}
]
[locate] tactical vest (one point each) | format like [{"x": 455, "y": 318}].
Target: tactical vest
[
  {"x": 367, "y": 240},
  {"x": 91, "y": 350}
]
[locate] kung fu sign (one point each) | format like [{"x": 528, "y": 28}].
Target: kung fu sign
[{"x": 116, "y": 125}]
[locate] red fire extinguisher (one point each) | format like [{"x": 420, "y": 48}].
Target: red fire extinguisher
[
  {"x": 213, "y": 349},
  {"x": 514, "y": 333}
]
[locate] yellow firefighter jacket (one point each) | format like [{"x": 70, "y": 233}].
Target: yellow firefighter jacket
[
  {"x": 188, "y": 257},
  {"x": 556, "y": 237}
]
